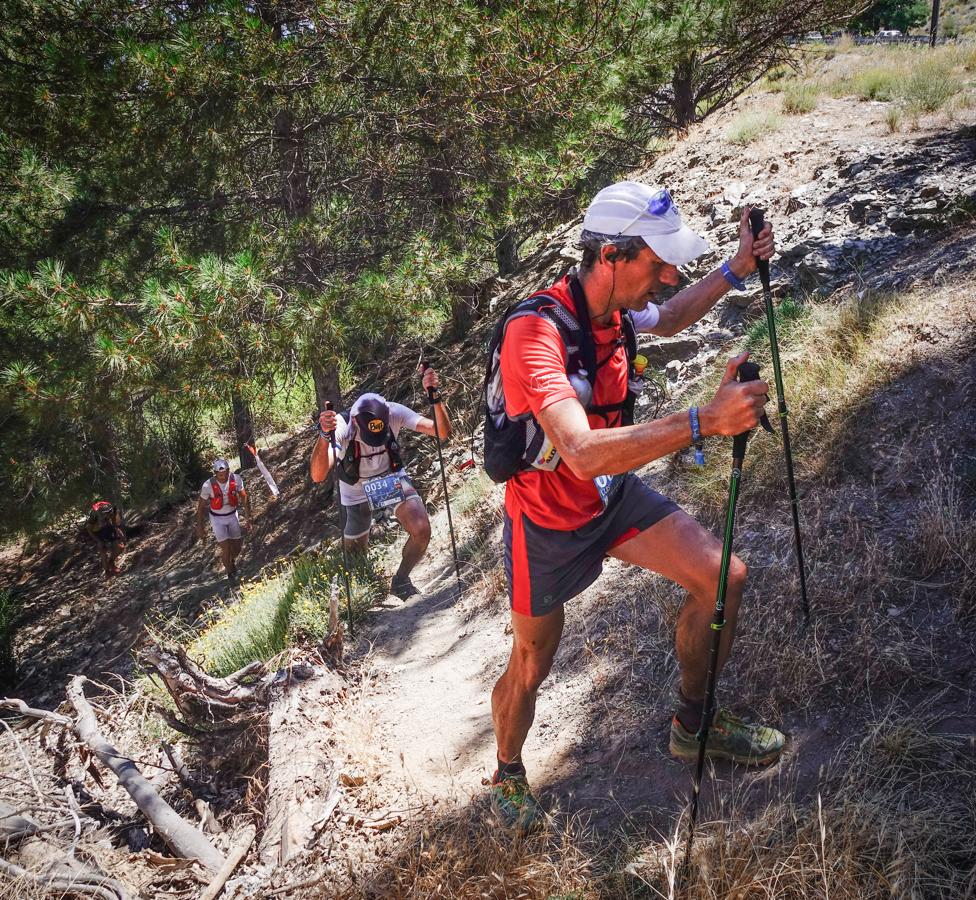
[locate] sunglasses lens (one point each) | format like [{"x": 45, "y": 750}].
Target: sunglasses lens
[{"x": 660, "y": 203}]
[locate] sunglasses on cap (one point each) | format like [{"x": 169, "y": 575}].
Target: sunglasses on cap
[
  {"x": 220, "y": 467},
  {"x": 660, "y": 204}
]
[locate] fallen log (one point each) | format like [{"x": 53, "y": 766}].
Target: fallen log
[
  {"x": 75, "y": 883},
  {"x": 181, "y": 837},
  {"x": 287, "y": 716},
  {"x": 199, "y": 791}
]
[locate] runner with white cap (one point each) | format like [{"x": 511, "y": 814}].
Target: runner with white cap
[
  {"x": 223, "y": 496},
  {"x": 578, "y": 501}
]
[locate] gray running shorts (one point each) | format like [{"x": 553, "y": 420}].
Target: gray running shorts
[
  {"x": 358, "y": 518},
  {"x": 545, "y": 567}
]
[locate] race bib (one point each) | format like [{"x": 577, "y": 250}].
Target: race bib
[
  {"x": 383, "y": 491},
  {"x": 547, "y": 458},
  {"x": 607, "y": 486}
]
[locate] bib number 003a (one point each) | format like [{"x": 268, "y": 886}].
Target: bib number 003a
[{"x": 384, "y": 491}]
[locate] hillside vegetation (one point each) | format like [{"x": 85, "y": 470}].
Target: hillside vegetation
[{"x": 371, "y": 749}]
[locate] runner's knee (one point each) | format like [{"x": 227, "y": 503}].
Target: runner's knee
[
  {"x": 356, "y": 545},
  {"x": 738, "y": 572},
  {"x": 420, "y": 531},
  {"x": 531, "y": 668}
]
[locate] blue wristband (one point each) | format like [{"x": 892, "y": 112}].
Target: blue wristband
[
  {"x": 732, "y": 278},
  {"x": 696, "y": 437}
]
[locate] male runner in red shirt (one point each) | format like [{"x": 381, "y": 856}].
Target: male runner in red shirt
[{"x": 561, "y": 523}]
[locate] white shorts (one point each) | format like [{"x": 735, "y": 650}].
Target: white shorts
[{"x": 226, "y": 528}]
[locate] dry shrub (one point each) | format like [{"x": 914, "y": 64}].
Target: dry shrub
[
  {"x": 800, "y": 97},
  {"x": 944, "y": 544}
]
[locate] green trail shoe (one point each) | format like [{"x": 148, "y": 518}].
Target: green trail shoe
[
  {"x": 514, "y": 804},
  {"x": 729, "y": 738}
]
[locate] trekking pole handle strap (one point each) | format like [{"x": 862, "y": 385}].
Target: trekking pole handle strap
[{"x": 756, "y": 220}]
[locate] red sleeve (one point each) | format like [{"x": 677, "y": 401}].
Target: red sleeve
[{"x": 533, "y": 366}]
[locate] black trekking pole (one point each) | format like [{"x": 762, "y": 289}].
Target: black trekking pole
[
  {"x": 747, "y": 372},
  {"x": 756, "y": 221},
  {"x": 433, "y": 396},
  {"x": 342, "y": 527}
]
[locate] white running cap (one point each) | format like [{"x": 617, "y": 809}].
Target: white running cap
[
  {"x": 221, "y": 465},
  {"x": 632, "y": 209}
]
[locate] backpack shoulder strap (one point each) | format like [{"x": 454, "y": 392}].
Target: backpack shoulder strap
[
  {"x": 587, "y": 351},
  {"x": 547, "y": 307},
  {"x": 630, "y": 334}
]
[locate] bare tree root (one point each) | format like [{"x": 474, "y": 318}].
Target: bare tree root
[
  {"x": 88, "y": 883},
  {"x": 48, "y": 866}
]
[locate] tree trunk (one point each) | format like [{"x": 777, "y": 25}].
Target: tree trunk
[
  {"x": 243, "y": 429},
  {"x": 303, "y": 775},
  {"x": 289, "y": 143},
  {"x": 506, "y": 250},
  {"x": 326, "y": 378},
  {"x": 684, "y": 93},
  {"x": 464, "y": 306}
]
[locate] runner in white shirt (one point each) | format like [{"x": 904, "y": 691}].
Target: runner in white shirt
[
  {"x": 371, "y": 474},
  {"x": 223, "y": 496}
]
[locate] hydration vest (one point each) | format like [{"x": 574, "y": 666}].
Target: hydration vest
[
  {"x": 217, "y": 495},
  {"x": 515, "y": 444},
  {"x": 347, "y": 468}
]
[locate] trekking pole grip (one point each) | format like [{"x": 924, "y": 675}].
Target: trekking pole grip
[
  {"x": 431, "y": 392},
  {"x": 756, "y": 221},
  {"x": 328, "y": 407},
  {"x": 747, "y": 371}
]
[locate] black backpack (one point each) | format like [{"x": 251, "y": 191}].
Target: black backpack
[
  {"x": 348, "y": 467},
  {"x": 513, "y": 445}
]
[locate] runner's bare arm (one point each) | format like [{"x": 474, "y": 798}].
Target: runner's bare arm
[
  {"x": 247, "y": 503},
  {"x": 321, "y": 462},
  {"x": 688, "y": 306},
  {"x": 202, "y": 506},
  {"x": 735, "y": 408},
  {"x": 425, "y": 425}
]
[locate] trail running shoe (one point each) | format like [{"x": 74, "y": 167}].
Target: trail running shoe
[
  {"x": 403, "y": 588},
  {"x": 729, "y": 738},
  {"x": 514, "y": 804}
]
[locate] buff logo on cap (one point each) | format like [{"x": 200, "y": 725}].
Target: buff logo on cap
[{"x": 376, "y": 425}]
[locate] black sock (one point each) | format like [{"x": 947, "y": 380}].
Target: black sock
[
  {"x": 506, "y": 770},
  {"x": 689, "y": 713}
]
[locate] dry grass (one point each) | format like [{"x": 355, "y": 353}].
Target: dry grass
[
  {"x": 800, "y": 97},
  {"x": 752, "y": 126},
  {"x": 944, "y": 545},
  {"x": 465, "y": 854},
  {"x": 894, "y": 816},
  {"x": 919, "y": 81}
]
